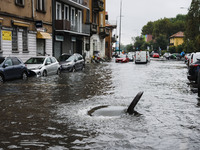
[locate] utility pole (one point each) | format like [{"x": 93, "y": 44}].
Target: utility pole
[{"x": 120, "y": 26}]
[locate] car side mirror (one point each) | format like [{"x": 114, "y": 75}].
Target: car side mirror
[
  {"x": 75, "y": 60},
  {"x": 5, "y": 65}
]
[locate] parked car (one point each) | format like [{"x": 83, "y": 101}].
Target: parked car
[
  {"x": 73, "y": 63},
  {"x": 142, "y": 57},
  {"x": 43, "y": 65},
  {"x": 193, "y": 58},
  {"x": 131, "y": 56},
  {"x": 122, "y": 59},
  {"x": 156, "y": 55},
  {"x": 193, "y": 71},
  {"x": 167, "y": 55},
  {"x": 12, "y": 68},
  {"x": 63, "y": 57}
]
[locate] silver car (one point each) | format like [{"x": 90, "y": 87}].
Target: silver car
[{"x": 43, "y": 65}]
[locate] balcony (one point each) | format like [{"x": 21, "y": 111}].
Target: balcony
[
  {"x": 94, "y": 28},
  {"x": 76, "y": 28},
  {"x": 98, "y": 5},
  {"x": 104, "y": 32},
  {"x": 79, "y": 3}
]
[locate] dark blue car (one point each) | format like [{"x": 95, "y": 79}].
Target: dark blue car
[{"x": 12, "y": 68}]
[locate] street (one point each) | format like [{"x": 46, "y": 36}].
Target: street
[{"x": 52, "y": 112}]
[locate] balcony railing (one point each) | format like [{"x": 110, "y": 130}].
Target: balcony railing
[
  {"x": 81, "y": 2},
  {"x": 94, "y": 28},
  {"x": 69, "y": 27},
  {"x": 98, "y": 5},
  {"x": 104, "y": 32}
]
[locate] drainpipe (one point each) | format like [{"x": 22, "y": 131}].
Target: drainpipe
[
  {"x": 53, "y": 25},
  {"x": 33, "y": 9}
]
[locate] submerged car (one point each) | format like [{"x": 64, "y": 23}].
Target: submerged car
[
  {"x": 43, "y": 65},
  {"x": 73, "y": 63},
  {"x": 12, "y": 68},
  {"x": 122, "y": 59}
]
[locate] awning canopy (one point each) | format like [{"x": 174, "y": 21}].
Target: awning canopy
[
  {"x": 20, "y": 23},
  {"x": 43, "y": 35}
]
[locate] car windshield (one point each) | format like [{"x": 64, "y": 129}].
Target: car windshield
[
  {"x": 63, "y": 57},
  {"x": 71, "y": 58},
  {"x": 1, "y": 59},
  {"x": 35, "y": 61}
]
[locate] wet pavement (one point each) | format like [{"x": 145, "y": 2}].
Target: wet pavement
[{"x": 52, "y": 113}]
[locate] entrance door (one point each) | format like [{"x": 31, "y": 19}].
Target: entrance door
[
  {"x": 41, "y": 47},
  {"x": 79, "y": 46},
  {"x": 57, "y": 49}
]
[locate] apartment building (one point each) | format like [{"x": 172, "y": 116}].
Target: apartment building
[
  {"x": 72, "y": 32},
  {"x": 25, "y": 28},
  {"x": 98, "y": 29}
]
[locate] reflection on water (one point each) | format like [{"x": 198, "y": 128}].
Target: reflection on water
[{"x": 52, "y": 113}]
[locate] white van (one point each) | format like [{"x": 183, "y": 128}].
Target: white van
[
  {"x": 142, "y": 57},
  {"x": 193, "y": 58}
]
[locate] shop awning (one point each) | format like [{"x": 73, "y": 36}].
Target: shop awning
[
  {"x": 43, "y": 35},
  {"x": 20, "y": 23}
]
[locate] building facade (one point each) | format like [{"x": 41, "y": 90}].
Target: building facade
[
  {"x": 25, "y": 28},
  {"x": 177, "y": 39},
  {"x": 98, "y": 29},
  {"x": 70, "y": 25}
]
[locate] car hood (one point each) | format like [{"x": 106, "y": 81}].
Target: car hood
[{"x": 33, "y": 66}]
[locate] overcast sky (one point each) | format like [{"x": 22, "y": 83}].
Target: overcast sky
[{"x": 137, "y": 13}]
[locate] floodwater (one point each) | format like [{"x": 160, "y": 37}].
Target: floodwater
[{"x": 52, "y": 113}]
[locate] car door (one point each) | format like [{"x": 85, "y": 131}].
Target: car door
[
  {"x": 48, "y": 65},
  {"x": 8, "y": 69},
  {"x": 54, "y": 65},
  {"x": 17, "y": 66}
]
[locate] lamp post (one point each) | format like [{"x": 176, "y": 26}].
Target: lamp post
[{"x": 120, "y": 24}]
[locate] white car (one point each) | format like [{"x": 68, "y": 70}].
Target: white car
[
  {"x": 43, "y": 65},
  {"x": 142, "y": 57}
]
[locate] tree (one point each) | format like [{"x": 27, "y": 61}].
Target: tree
[
  {"x": 192, "y": 33},
  {"x": 129, "y": 47},
  {"x": 138, "y": 42}
]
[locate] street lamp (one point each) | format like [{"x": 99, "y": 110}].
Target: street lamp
[{"x": 120, "y": 25}]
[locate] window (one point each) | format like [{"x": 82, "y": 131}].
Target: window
[
  {"x": 16, "y": 61},
  {"x": 88, "y": 16},
  {"x": 66, "y": 12},
  {"x": 41, "y": 5},
  {"x": 58, "y": 11},
  {"x": 25, "y": 39},
  {"x": 73, "y": 16},
  {"x": 19, "y": 2},
  {"x": 14, "y": 39},
  {"x": 8, "y": 62}
]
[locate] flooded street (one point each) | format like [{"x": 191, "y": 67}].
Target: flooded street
[{"x": 52, "y": 112}]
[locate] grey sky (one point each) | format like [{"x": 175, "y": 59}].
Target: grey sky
[{"x": 137, "y": 13}]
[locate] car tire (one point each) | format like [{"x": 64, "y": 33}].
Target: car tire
[
  {"x": 1, "y": 78},
  {"x": 44, "y": 74},
  {"x": 58, "y": 72},
  {"x": 24, "y": 76}
]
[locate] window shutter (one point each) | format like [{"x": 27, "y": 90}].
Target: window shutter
[{"x": 44, "y": 5}]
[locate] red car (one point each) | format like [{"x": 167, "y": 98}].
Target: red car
[
  {"x": 122, "y": 58},
  {"x": 156, "y": 55}
]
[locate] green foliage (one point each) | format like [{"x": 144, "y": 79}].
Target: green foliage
[
  {"x": 129, "y": 48},
  {"x": 192, "y": 33}
]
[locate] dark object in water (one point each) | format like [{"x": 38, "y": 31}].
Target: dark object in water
[{"x": 131, "y": 107}]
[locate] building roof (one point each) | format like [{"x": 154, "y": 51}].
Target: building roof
[{"x": 178, "y": 34}]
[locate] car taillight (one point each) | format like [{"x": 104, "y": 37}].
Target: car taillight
[{"x": 195, "y": 65}]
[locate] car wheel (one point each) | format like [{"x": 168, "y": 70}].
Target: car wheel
[
  {"x": 1, "y": 78},
  {"x": 58, "y": 72},
  {"x": 44, "y": 74},
  {"x": 24, "y": 76}
]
